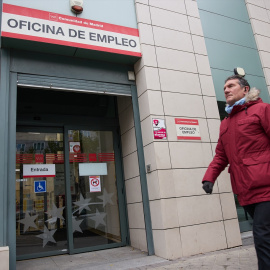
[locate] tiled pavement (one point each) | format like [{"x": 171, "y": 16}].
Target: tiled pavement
[{"x": 243, "y": 258}]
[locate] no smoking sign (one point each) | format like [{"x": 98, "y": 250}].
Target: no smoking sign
[{"x": 94, "y": 183}]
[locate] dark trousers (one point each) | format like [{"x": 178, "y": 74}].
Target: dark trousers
[{"x": 260, "y": 212}]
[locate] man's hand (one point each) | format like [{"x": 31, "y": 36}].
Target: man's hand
[{"x": 208, "y": 186}]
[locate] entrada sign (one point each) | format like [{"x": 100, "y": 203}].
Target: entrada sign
[{"x": 43, "y": 26}]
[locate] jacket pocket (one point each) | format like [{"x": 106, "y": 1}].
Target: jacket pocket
[
  {"x": 249, "y": 120},
  {"x": 256, "y": 171},
  {"x": 253, "y": 160}
]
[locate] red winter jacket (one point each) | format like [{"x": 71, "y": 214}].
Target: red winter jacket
[{"x": 244, "y": 143}]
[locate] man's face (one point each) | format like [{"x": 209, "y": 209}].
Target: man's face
[{"x": 233, "y": 91}]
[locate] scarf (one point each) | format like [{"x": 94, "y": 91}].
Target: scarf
[{"x": 229, "y": 108}]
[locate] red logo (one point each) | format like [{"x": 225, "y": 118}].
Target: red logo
[
  {"x": 156, "y": 122},
  {"x": 39, "y": 158},
  {"x": 76, "y": 148}
]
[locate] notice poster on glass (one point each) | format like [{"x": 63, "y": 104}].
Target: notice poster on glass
[
  {"x": 94, "y": 183},
  {"x": 74, "y": 147}
]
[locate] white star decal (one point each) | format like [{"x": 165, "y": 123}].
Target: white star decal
[
  {"x": 55, "y": 213},
  {"x": 99, "y": 218},
  {"x": 28, "y": 221},
  {"x": 76, "y": 225},
  {"x": 47, "y": 236},
  {"x": 106, "y": 197},
  {"x": 83, "y": 204}
]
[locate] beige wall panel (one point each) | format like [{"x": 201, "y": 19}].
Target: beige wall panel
[
  {"x": 138, "y": 239},
  {"x": 213, "y": 125},
  {"x": 207, "y": 85},
  {"x": 166, "y": 184},
  {"x": 260, "y": 28},
  {"x": 164, "y": 214},
  {"x": 199, "y": 45},
  {"x": 211, "y": 107},
  {"x": 195, "y": 26},
  {"x": 145, "y": 2},
  {"x": 133, "y": 190},
  {"x": 203, "y": 64},
  {"x": 176, "y": 60},
  {"x": 126, "y": 120},
  {"x": 131, "y": 166},
  {"x": 259, "y": 3},
  {"x": 167, "y": 243},
  {"x": 265, "y": 58},
  {"x": 192, "y": 8},
  {"x": 175, "y": 6},
  {"x": 129, "y": 142},
  {"x": 149, "y": 58},
  {"x": 143, "y": 13},
  {"x": 153, "y": 185},
  {"x": 263, "y": 43},
  {"x": 203, "y": 238},
  {"x": 136, "y": 216},
  {"x": 183, "y": 105},
  {"x": 147, "y": 130},
  {"x": 267, "y": 4},
  {"x": 150, "y": 102},
  {"x": 228, "y": 206},
  {"x": 157, "y": 155},
  {"x": 190, "y": 155},
  {"x": 179, "y": 82},
  {"x": 147, "y": 79},
  {"x": 188, "y": 182},
  {"x": 199, "y": 209},
  {"x": 258, "y": 13},
  {"x": 172, "y": 39},
  {"x": 4, "y": 258},
  {"x": 233, "y": 233},
  {"x": 267, "y": 75},
  {"x": 146, "y": 33},
  {"x": 169, "y": 19}
]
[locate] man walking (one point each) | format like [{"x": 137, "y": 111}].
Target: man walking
[{"x": 244, "y": 144}]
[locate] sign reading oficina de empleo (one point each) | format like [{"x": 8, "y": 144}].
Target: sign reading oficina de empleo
[
  {"x": 42, "y": 26},
  {"x": 187, "y": 129}
]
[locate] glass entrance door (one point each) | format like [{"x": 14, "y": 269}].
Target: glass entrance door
[
  {"x": 40, "y": 194},
  {"x": 68, "y": 195},
  {"x": 93, "y": 186}
]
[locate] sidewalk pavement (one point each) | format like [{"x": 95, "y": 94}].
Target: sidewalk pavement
[
  {"x": 124, "y": 258},
  {"x": 243, "y": 258}
]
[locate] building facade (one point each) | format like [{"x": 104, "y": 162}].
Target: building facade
[{"x": 110, "y": 117}]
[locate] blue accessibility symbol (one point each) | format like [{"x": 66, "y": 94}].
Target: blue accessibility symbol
[{"x": 40, "y": 186}]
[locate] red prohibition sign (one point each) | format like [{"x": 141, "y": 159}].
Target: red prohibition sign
[{"x": 94, "y": 182}]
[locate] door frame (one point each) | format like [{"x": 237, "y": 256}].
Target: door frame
[{"x": 120, "y": 188}]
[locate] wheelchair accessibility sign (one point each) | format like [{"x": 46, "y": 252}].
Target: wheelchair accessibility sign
[{"x": 40, "y": 186}]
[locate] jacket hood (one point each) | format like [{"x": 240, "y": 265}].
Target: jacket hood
[{"x": 252, "y": 95}]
